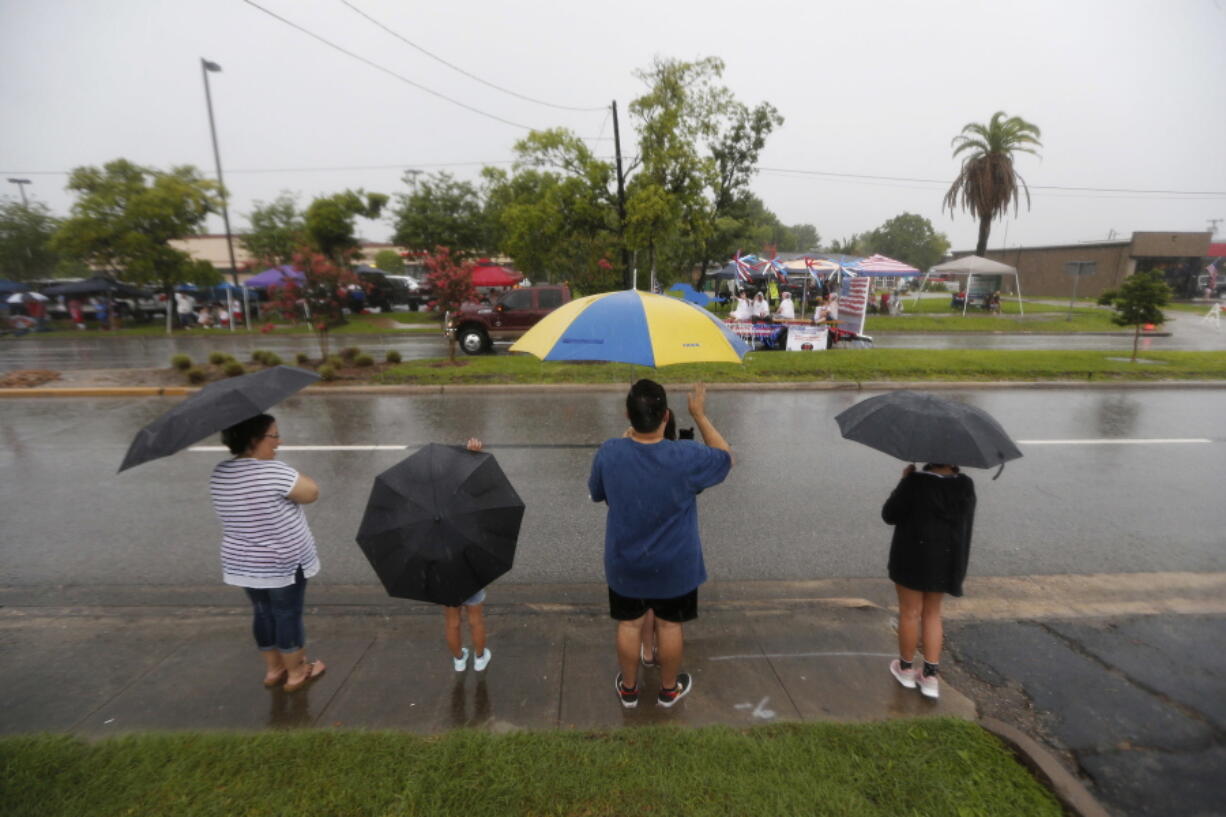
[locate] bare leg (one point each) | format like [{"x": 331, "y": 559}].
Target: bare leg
[
  {"x": 910, "y": 609},
  {"x": 273, "y": 664},
  {"x": 648, "y": 636},
  {"x": 451, "y": 626},
  {"x": 933, "y": 631},
  {"x": 629, "y": 635},
  {"x": 476, "y": 626},
  {"x": 671, "y": 643}
]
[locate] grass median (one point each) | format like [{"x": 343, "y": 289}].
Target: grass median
[
  {"x": 838, "y": 365},
  {"x": 926, "y": 766}
]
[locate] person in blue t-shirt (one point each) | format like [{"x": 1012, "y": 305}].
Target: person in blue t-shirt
[{"x": 653, "y": 556}]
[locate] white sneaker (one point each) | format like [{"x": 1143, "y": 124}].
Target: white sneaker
[
  {"x": 482, "y": 661},
  {"x": 461, "y": 663},
  {"x": 906, "y": 677},
  {"x": 929, "y": 685}
]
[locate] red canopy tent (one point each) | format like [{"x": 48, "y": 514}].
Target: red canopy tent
[{"x": 486, "y": 274}]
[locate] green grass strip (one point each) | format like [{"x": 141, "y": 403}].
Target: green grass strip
[
  {"x": 913, "y": 767},
  {"x": 851, "y": 365}
]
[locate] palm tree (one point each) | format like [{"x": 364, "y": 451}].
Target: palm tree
[{"x": 987, "y": 181}]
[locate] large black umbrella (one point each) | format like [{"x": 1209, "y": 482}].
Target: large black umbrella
[
  {"x": 920, "y": 427},
  {"x": 98, "y": 285},
  {"x": 441, "y": 525},
  {"x": 215, "y": 407}
]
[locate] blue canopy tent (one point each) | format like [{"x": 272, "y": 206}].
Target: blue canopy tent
[
  {"x": 692, "y": 295},
  {"x": 9, "y": 287}
]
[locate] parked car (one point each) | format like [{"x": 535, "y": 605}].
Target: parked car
[
  {"x": 417, "y": 295},
  {"x": 507, "y": 319}
]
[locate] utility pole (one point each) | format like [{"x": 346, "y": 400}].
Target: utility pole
[
  {"x": 627, "y": 281},
  {"x": 21, "y": 185},
  {"x": 205, "y": 68},
  {"x": 1213, "y": 222}
]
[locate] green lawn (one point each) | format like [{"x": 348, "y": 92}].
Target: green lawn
[
  {"x": 856, "y": 365},
  {"x": 914, "y": 767}
]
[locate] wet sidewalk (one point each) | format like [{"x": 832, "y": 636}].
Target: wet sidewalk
[{"x": 151, "y": 664}]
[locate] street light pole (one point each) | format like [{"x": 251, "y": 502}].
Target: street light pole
[
  {"x": 21, "y": 185},
  {"x": 205, "y": 68}
]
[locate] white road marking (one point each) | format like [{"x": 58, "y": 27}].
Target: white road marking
[
  {"x": 1105, "y": 441},
  {"x": 759, "y": 711}
]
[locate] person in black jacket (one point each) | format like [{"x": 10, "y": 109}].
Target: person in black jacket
[{"x": 932, "y": 512}]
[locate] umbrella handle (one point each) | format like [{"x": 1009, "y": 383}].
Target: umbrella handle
[{"x": 999, "y": 471}]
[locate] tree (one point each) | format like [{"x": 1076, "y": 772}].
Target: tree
[
  {"x": 699, "y": 146},
  {"x": 988, "y": 181},
  {"x": 330, "y": 221},
  {"x": 277, "y": 232},
  {"x": 555, "y": 212},
  {"x": 389, "y": 261},
  {"x": 441, "y": 211},
  {"x": 856, "y": 244},
  {"x": 126, "y": 215},
  {"x": 25, "y": 241},
  {"x": 910, "y": 238},
  {"x": 452, "y": 284},
  {"x": 1138, "y": 301}
]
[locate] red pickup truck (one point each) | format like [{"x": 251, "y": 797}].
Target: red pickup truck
[{"x": 513, "y": 314}]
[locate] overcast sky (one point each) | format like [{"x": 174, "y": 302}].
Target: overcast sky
[{"x": 1129, "y": 95}]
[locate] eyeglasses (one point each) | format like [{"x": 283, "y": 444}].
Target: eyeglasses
[{"x": 274, "y": 436}]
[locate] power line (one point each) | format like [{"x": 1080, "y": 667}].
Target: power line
[
  {"x": 468, "y": 74},
  {"x": 387, "y": 71}
]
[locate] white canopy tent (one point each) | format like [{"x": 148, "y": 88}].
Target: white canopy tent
[{"x": 970, "y": 266}]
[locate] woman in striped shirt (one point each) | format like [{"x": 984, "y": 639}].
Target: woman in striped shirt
[{"x": 266, "y": 546}]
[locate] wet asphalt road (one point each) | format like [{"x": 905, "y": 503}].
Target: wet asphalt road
[
  {"x": 93, "y": 350},
  {"x": 801, "y": 502}
]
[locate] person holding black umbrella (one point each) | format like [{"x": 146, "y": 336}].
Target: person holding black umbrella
[
  {"x": 933, "y": 512},
  {"x": 267, "y": 547}
]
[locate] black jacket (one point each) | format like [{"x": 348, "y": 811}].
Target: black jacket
[{"x": 932, "y": 518}]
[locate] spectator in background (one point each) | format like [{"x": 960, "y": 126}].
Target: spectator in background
[{"x": 185, "y": 306}]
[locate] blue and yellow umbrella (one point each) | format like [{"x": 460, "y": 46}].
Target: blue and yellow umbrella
[{"x": 630, "y": 326}]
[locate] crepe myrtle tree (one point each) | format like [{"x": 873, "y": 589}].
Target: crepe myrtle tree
[
  {"x": 452, "y": 284},
  {"x": 324, "y": 292},
  {"x": 1138, "y": 301}
]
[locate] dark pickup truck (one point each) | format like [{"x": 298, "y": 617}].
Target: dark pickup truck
[{"x": 508, "y": 318}]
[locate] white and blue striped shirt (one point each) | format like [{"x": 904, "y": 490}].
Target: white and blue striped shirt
[{"x": 265, "y": 538}]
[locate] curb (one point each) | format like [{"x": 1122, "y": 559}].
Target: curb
[
  {"x": 1070, "y": 791},
  {"x": 564, "y": 388}
]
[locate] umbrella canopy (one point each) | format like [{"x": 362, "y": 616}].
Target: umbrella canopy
[
  {"x": 492, "y": 275},
  {"x": 12, "y": 286},
  {"x": 630, "y": 326},
  {"x": 973, "y": 265},
  {"x": 692, "y": 295},
  {"x": 215, "y": 407},
  {"x": 20, "y": 297},
  {"x": 920, "y": 427},
  {"x": 98, "y": 285},
  {"x": 441, "y": 525},
  {"x": 275, "y": 277},
  {"x": 880, "y": 266}
]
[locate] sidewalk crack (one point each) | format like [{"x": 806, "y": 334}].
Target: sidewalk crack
[{"x": 324, "y": 709}]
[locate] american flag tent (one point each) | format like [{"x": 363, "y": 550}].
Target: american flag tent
[{"x": 880, "y": 266}]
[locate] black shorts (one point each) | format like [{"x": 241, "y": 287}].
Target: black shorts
[{"x": 676, "y": 610}]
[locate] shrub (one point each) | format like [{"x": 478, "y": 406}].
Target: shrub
[
  {"x": 271, "y": 359},
  {"x": 350, "y": 352},
  {"x": 217, "y": 358},
  {"x": 233, "y": 368},
  {"x": 195, "y": 375},
  {"x": 327, "y": 372},
  {"x": 302, "y": 358},
  {"x": 393, "y": 356},
  {"x": 258, "y": 355},
  {"x": 181, "y": 362},
  {"x": 363, "y": 360},
  {"x": 335, "y": 362}
]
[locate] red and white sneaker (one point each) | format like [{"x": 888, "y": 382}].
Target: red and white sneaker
[{"x": 929, "y": 685}]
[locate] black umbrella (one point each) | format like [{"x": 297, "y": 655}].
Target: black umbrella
[
  {"x": 919, "y": 427},
  {"x": 98, "y": 285},
  {"x": 441, "y": 525},
  {"x": 215, "y": 407}
]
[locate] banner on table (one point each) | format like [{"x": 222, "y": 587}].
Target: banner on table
[
  {"x": 806, "y": 338},
  {"x": 853, "y": 301}
]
